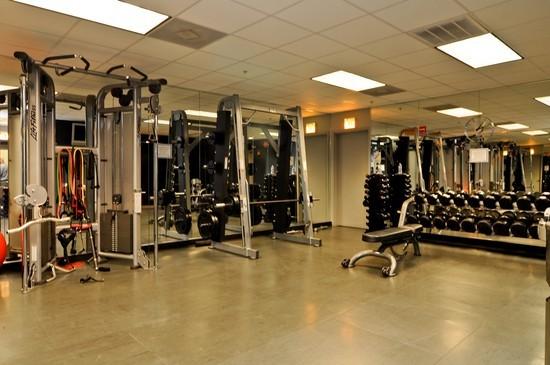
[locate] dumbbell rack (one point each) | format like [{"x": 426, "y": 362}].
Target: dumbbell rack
[
  {"x": 468, "y": 213},
  {"x": 376, "y": 202}
]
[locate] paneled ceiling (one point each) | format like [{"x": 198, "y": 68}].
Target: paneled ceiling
[{"x": 273, "y": 48}]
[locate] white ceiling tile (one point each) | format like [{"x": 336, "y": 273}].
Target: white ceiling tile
[
  {"x": 399, "y": 76},
  {"x": 268, "y": 6},
  {"x": 277, "y": 78},
  {"x": 102, "y": 35},
  {"x": 360, "y": 31},
  {"x": 166, "y": 7},
  {"x": 272, "y": 32},
  {"x": 376, "y": 68},
  {"x": 205, "y": 60},
  {"x": 219, "y": 79},
  {"x": 33, "y": 18},
  {"x": 276, "y": 60},
  {"x": 393, "y": 46},
  {"x": 144, "y": 64},
  {"x": 319, "y": 15},
  {"x": 21, "y": 39},
  {"x": 236, "y": 48},
  {"x": 413, "y": 14},
  {"x": 245, "y": 70},
  {"x": 436, "y": 91},
  {"x": 182, "y": 72},
  {"x": 417, "y": 84},
  {"x": 464, "y": 75},
  {"x": 313, "y": 47},
  {"x": 473, "y": 5},
  {"x": 160, "y": 49},
  {"x": 248, "y": 86},
  {"x": 513, "y": 12},
  {"x": 309, "y": 69},
  {"x": 346, "y": 59},
  {"x": 373, "y": 5},
  {"x": 199, "y": 85},
  {"x": 223, "y": 15},
  {"x": 421, "y": 58},
  {"x": 442, "y": 68}
]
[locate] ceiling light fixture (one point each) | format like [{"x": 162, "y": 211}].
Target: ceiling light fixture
[
  {"x": 161, "y": 121},
  {"x": 512, "y": 126},
  {"x": 347, "y": 80},
  {"x": 200, "y": 113},
  {"x": 544, "y": 99},
  {"x": 459, "y": 112},
  {"x": 311, "y": 128},
  {"x": 7, "y": 87},
  {"x": 349, "y": 123},
  {"x": 113, "y": 13},
  {"x": 537, "y": 132},
  {"x": 480, "y": 51}
]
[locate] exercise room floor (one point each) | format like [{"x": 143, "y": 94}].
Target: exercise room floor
[{"x": 295, "y": 305}]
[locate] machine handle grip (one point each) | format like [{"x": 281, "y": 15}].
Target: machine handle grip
[{"x": 39, "y": 220}]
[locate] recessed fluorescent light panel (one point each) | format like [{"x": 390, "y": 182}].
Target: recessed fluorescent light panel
[
  {"x": 459, "y": 112},
  {"x": 349, "y": 81},
  {"x": 512, "y": 126},
  {"x": 480, "y": 51},
  {"x": 535, "y": 133},
  {"x": 544, "y": 99},
  {"x": 200, "y": 113},
  {"x": 114, "y": 13},
  {"x": 7, "y": 87}
]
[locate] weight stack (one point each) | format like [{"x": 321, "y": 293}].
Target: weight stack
[
  {"x": 376, "y": 201},
  {"x": 400, "y": 190},
  {"x": 269, "y": 192}
]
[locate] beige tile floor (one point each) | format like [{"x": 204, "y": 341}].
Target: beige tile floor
[{"x": 293, "y": 306}]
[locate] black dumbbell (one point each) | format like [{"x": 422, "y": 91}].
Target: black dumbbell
[
  {"x": 506, "y": 202},
  {"x": 524, "y": 203},
  {"x": 502, "y": 226}
]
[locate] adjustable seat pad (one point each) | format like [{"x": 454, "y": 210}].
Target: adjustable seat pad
[{"x": 394, "y": 234}]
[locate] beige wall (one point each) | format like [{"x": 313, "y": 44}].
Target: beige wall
[
  {"x": 317, "y": 149},
  {"x": 346, "y": 164},
  {"x": 352, "y": 164}
]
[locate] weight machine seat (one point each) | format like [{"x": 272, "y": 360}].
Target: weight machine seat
[
  {"x": 387, "y": 239},
  {"x": 394, "y": 234}
]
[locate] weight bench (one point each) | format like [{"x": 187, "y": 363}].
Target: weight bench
[{"x": 389, "y": 237}]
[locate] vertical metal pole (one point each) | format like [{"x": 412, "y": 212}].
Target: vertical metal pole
[
  {"x": 419, "y": 161},
  {"x": 303, "y": 172},
  {"x": 186, "y": 152},
  {"x": 443, "y": 165},
  {"x": 240, "y": 144},
  {"x": 155, "y": 192},
  {"x": 24, "y": 241},
  {"x": 136, "y": 163}
]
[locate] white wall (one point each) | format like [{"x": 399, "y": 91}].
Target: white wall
[
  {"x": 352, "y": 161},
  {"x": 318, "y": 168}
]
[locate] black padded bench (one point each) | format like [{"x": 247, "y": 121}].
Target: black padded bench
[{"x": 387, "y": 238}]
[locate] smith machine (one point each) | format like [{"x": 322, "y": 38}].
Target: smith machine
[
  {"x": 230, "y": 126},
  {"x": 113, "y": 139}
]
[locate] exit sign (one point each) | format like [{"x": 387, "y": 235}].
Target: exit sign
[{"x": 422, "y": 131}]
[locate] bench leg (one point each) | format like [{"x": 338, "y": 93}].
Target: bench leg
[{"x": 386, "y": 270}]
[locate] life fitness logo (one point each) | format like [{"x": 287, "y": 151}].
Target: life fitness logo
[{"x": 33, "y": 126}]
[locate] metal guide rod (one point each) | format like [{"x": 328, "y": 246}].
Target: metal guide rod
[
  {"x": 303, "y": 174},
  {"x": 136, "y": 188},
  {"x": 419, "y": 162},
  {"x": 443, "y": 165},
  {"x": 24, "y": 136},
  {"x": 155, "y": 191}
]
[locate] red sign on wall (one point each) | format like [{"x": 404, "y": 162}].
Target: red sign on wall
[{"x": 422, "y": 131}]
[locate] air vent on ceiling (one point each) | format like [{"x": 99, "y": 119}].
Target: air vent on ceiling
[
  {"x": 186, "y": 34},
  {"x": 449, "y": 31},
  {"x": 440, "y": 107},
  {"x": 382, "y": 90}
]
